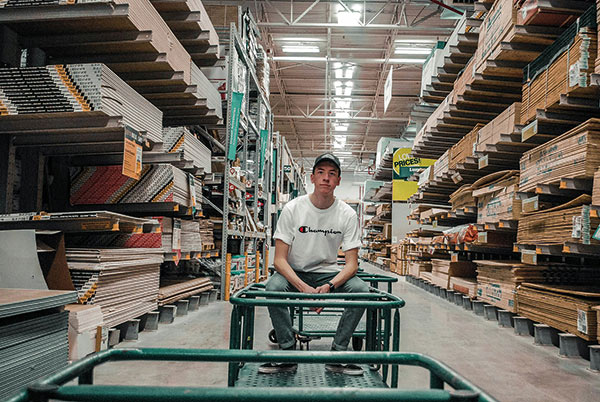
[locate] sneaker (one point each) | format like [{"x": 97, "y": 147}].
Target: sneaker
[
  {"x": 348, "y": 369},
  {"x": 276, "y": 368}
]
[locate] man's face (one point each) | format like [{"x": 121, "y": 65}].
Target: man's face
[{"x": 326, "y": 178}]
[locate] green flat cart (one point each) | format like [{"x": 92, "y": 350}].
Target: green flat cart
[{"x": 326, "y": 387}]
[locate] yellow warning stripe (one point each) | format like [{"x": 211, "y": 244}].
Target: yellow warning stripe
[
  {"x": 3, "y": 109},
  {"x": 178, "y": 144},
  {"x": 168, "y": 187},
  {"x": 60, "y": 69},
  {"x": 119, "y": 195},
  {"x": 88, "y": 295}
]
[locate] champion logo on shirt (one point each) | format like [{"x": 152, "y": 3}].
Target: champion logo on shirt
[{"x": 308, "y": 229}]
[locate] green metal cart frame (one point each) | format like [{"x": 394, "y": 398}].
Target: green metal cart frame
[
  {"x": 53, "y": 387},
  {"x": 308, "y": 325},
  {"x": 381, "y": 332}
]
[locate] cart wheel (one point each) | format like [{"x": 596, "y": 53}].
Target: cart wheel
[
  {"x": 357, "y": 343},
  {"x": 272, "y": 336}
]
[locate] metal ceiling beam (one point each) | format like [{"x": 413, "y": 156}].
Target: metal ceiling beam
[
  {"x": 430, "y": 31},
  {"x": 359, "y": 118},
  {"x": 323, "y": 59}
]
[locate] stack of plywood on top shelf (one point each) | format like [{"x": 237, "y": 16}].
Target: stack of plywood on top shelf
[{"x": 564, "y": 68}]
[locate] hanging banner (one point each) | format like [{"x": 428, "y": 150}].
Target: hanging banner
[
  {"x": 264, "y": 137},
  {"x": 404, "y": 166},
  {"x": 387, "y": 90},
  {"x": 132, "y": 154},
  {"x": 234, "y": 123}
]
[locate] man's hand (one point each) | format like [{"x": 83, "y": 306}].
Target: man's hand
[{"x": 323, "y": 288}]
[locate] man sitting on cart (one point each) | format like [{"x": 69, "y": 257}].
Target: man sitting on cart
[{"x": 309, "y": 233}]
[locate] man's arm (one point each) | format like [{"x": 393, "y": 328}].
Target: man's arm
[
  {"x": 350, "y": 269},
  {"x": 283, "y": 267}
]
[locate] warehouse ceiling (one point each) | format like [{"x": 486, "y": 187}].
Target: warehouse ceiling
[{"x": 330, "y": 61}]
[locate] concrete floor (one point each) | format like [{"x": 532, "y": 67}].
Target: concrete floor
[{"x": 509, "y": 367}]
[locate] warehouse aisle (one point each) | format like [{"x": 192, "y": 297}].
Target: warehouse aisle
[{"x": 509, "y": 367}]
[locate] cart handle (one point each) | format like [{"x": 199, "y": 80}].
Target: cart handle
[{"x": 49, "y": 387}]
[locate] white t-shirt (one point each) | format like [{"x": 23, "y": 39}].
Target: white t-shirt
[{"x": 315, "y": 235}]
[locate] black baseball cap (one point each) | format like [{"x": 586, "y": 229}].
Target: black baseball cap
[{"x": 328, "y": 157}]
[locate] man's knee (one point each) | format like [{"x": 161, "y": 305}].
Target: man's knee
[
  {"x": 277, "y": 283},
  {"x": 356, "y": 285}
]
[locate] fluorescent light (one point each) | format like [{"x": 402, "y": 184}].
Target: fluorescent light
[
  {"x": 347, "y": 91},
  {"x": 416, "y": 41},
  {"x": 337, "y": 83},
  {"x": 302, "y": 39},
  {"x": 343, "y": 152},
  {"x": 337, "y": 65},
  {"x": 342, "y": 115},
  {"x": 341, "y": 127},
  {"x": 300, "y": 49},
  {"x": 349, "y": 73},
  {"x": 349, "y": 84},
  {"x": 343, "y": 103},
  {"x": 346, "y": 18},
  {"x": 412, "y": 50},
  {"x": 407, "y": 61},
  {"x": 339, "y": 91}
]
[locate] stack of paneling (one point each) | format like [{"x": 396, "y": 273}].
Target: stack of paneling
[
  {"x": 444, "y": 270},
  {"x": 416, "y": 267},
  {"x": 570, "y": 222},
  {"x": 190, "y": 236},
  {"x": 90, "y": 90},
  {"x": 464, "y": 148},
  {"x": 172, "y": 290},
  {"x": 566, "y": 308},
  {"x": 207, "y": 233},
  {"x": 463, "y": 198},
  {"x": 124, "y": 283},
  {"x": 497, "y": 281},
  {"x": 181, "y": 140},
  {"x": 550, "y": 13},
  {"x": 500, "y": 129},
  {"x": 33, "y": 336},
  {"x": 496, "y": 196},
  {"x": 564, "y": 68},
  {"x": 596, "y": 189},
  {"x": 441, "y": 166},
  {"x": 84, "y": 321},
  {"x": 107, "y": 185},
  {"x": 573, "y": 155}
]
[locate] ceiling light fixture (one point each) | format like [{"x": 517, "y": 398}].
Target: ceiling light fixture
[
  {"x": 300, "y": 49},
  {"x": 412, "y": 50},
  {"x": 416, "y": 40}
]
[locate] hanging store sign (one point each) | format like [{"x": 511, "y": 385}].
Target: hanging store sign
[
  {"x": 234, "y": 124},
  {"x": 404, "y": 166},
  {"x": 264, "y": 138},
  {"x": 387, "y": 90},
  {"x": 132, "y": 153}
]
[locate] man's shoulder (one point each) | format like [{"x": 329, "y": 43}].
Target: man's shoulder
[
  {"x": 296, "y": 202},
  {"x": 345, "y": 208}
]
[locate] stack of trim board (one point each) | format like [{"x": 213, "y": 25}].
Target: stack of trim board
[
  {"x": 181, "y": 140},
  {"x": 444, "y": 270},
  {"x": 177, "y": 289},
  {"x": 92, "y": 91},
  {"x": 566, "y": 308},
  {"x": 33, "y": 336},
  {"x": 84, "y": 321},
  {"x": 123, "y": 282},
  {"x": 107, "y": 185},
  {"x": 496, "y": 196}
]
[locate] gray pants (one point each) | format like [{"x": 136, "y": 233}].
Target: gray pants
[{"x": 282, "y": 322}]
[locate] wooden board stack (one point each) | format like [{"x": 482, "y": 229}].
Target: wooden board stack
[
  {"x": 500, "y": 129},
  {"x": 444, "y": 270},
  {"x": 570, "y": 222},
  {"x": 566, "y": 308},
  {"x": 33, "y": 336},
  {"x": 172, "y": 290},
  {"x": 159, "y": 183},
  {"x": 548, "y": 77},
  {"x": 549, "y": 13},
  {"x": 89, "y": 91},
  {"x": 596, "y": 189},
  {"x": 440, "y": 167},
  {"x": 207, "y": 233},
  {"x": 496, "y": 196},
  {"x": 124, "y": 288},
  {"x": 573, "y": 155},
  {"x": 463, "y": 198},
  {"x": 464, "y": 148},
  {"x": 181, "y": 140}
]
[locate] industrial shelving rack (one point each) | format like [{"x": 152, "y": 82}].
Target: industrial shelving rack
[{"x": 258, "y": 193}]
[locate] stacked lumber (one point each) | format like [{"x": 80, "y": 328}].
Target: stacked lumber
[
  {"x": 190, "y": 236},
  {"x": 441, "y": 166},
  {"x": 573, "y": 155},
  {"x": 123, "y": 288},
  {"x": 497, "y": 281},
  {"x": 263, "y": 71},
  {"x": 172, "y": 290},
  {"x": 84, "y": 321},
  {"x": 207, "y": 233},
  {"x": 107, "y": 185},
  {"x": 559, "y": 70},
  {"x": 463, "y": 198},
  {"x": 416, "y": 267},
  {"x": 596, "y": 189},
  {"x": 87, "y": 90},
  {"x": 550, "y": 13},
  {"x": 33, "y": 336},
  {"x": 181, "y": 140},
  {"x": 464, "y": 148},
  {"x": 566, "y": 308},
  {"x": 443, "y": 270},
  {"x": 569, "y": 222},
  {"x": 500, "y": 128},
  {"x": 466, "y": 286},
  {"x": 496, "y": 196}
]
